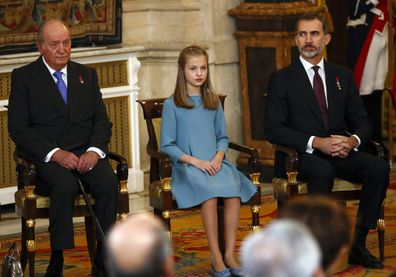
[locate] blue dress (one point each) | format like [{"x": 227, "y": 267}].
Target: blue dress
[{"x": 200, "y": 133}]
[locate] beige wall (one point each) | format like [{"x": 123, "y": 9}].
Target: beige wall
[{"x": 164, "y": 27}]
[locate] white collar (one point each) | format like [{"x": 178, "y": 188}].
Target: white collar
[
  {"x": 52, "y": 71},
  {"x": 307, "y": 65}
]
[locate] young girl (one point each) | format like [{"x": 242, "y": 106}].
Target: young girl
[{"x": 193, "y": 133}]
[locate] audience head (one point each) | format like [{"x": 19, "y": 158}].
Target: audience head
[
  {"x": 54, "y": 43},
  {"x": 140, "y": 247},
  {"x": 190, "y": 59},
  {"x": 285, "y": 248},
  {"x": 328, "y": 222}
]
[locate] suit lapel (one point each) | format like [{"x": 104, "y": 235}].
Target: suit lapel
[
  {"x": 73, "y": 88},
  {"x": 331, "y": 87},
  {"x": 50, "y": 90},
  {"x": 303, "y": 85}
]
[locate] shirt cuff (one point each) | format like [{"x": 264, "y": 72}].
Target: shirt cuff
[
  {"x": 374, "y": 2},
  {"x": 101, "y": 154},
  {"x": 310, "y": 149},
  {"x": 49, "y": 155},
  {"x": 359, "y": 141}
]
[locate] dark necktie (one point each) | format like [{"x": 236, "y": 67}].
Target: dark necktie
[
  {"x": 61, "y": 85},
  {"x": 320, "y": 94}
]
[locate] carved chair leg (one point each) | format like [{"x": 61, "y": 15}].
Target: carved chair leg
[
  {"x": 381, "y": 224},
  {"x": 31, "y": 255},
  {"x": 280, "y": 205},
  {"x": 166, "y": 216},
  {"x": 256, "y": 218},
  {"x": 91, "y": 237},
  {"x": 157, "y": 212},
  {"x": 30, "y": 245},
  {"x": 23, "y": 245}
]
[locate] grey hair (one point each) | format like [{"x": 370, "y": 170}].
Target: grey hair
[
  {"x": 285, "y": 248},
  {"x": 154, "y": 262},
  {"x": 40, "y": 33}
]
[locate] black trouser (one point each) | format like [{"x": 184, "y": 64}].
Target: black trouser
[
  {"x": 373, "y": 105},
  {"x": 319, "y": 170},
  {"x": 62, "y": 188}
]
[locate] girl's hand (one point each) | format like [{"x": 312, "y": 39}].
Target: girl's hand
[
  {"x": 206, "y": 166},
  {"x": 217, "y": 160}
]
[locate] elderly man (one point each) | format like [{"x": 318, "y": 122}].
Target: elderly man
[{"x": 57, "y": 119}]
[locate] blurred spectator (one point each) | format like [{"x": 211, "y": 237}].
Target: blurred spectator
[
  {"x": 285, "y": 248},
  {"x": 328, "y": 223},
  {"x": 139, "y": 247}
]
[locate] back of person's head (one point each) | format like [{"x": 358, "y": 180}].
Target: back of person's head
[
  {"x": 285, "y": 248},
  {"x": 328, "y": 222},
  {"x": 139, "y": 247}
]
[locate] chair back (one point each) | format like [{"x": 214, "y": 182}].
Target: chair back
[{"x": 152, "y": 114}]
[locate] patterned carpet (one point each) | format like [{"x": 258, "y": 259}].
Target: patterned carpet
[{"x": 190, "y": 247}]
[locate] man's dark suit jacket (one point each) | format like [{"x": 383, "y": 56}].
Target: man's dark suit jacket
[
  {"x": 39, "y": 120},
  {"x": 292, "y": 113}
]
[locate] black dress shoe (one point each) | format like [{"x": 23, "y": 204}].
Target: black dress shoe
[
  {"x": 359, "y": 255},
  {"x": 53, "y": 272},
  {"x": 55, "y": 266},
  {"x": 97, "y": 271}
]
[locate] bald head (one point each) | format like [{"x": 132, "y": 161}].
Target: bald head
[
  {"x": 50, "y": 23},
  {"x": 139, "y": 247}
]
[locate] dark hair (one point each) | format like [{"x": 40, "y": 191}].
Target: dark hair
[
  {"x": 209, "y": 98},
  {"x": 313, "y": 16},
  {"x": 40, "y": 33},
  {"x": 327, "y": 220}
]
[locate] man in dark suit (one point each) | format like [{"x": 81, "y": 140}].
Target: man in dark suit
[
  {"x": 57, "y": 119},
  {"x": 314, "y": 107}
]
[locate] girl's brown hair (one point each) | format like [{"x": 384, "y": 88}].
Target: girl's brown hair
[{"x": 209, "y": 98}]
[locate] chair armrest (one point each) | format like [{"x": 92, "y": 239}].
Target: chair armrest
[
  {"x": 122, "y": 165},
  {"x": 164, "y": 162},
  {"x": 291, "y": 161},
  {"x": 243, "y": 148},
  {"x": 254, "y": 159},
  {"x": 26, "y": 170}
]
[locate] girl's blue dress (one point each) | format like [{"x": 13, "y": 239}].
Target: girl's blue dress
[{"x": 199, "y": 132}]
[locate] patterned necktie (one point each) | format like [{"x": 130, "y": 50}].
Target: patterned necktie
[
  {"x": 320, "y": 95},
  {"x": 61, "y": 85}
]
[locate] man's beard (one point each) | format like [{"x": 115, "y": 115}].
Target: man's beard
[{"x": 309, "y": 51}]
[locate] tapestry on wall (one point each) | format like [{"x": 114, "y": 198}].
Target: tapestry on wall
[{"x": 92, "y": 22}]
